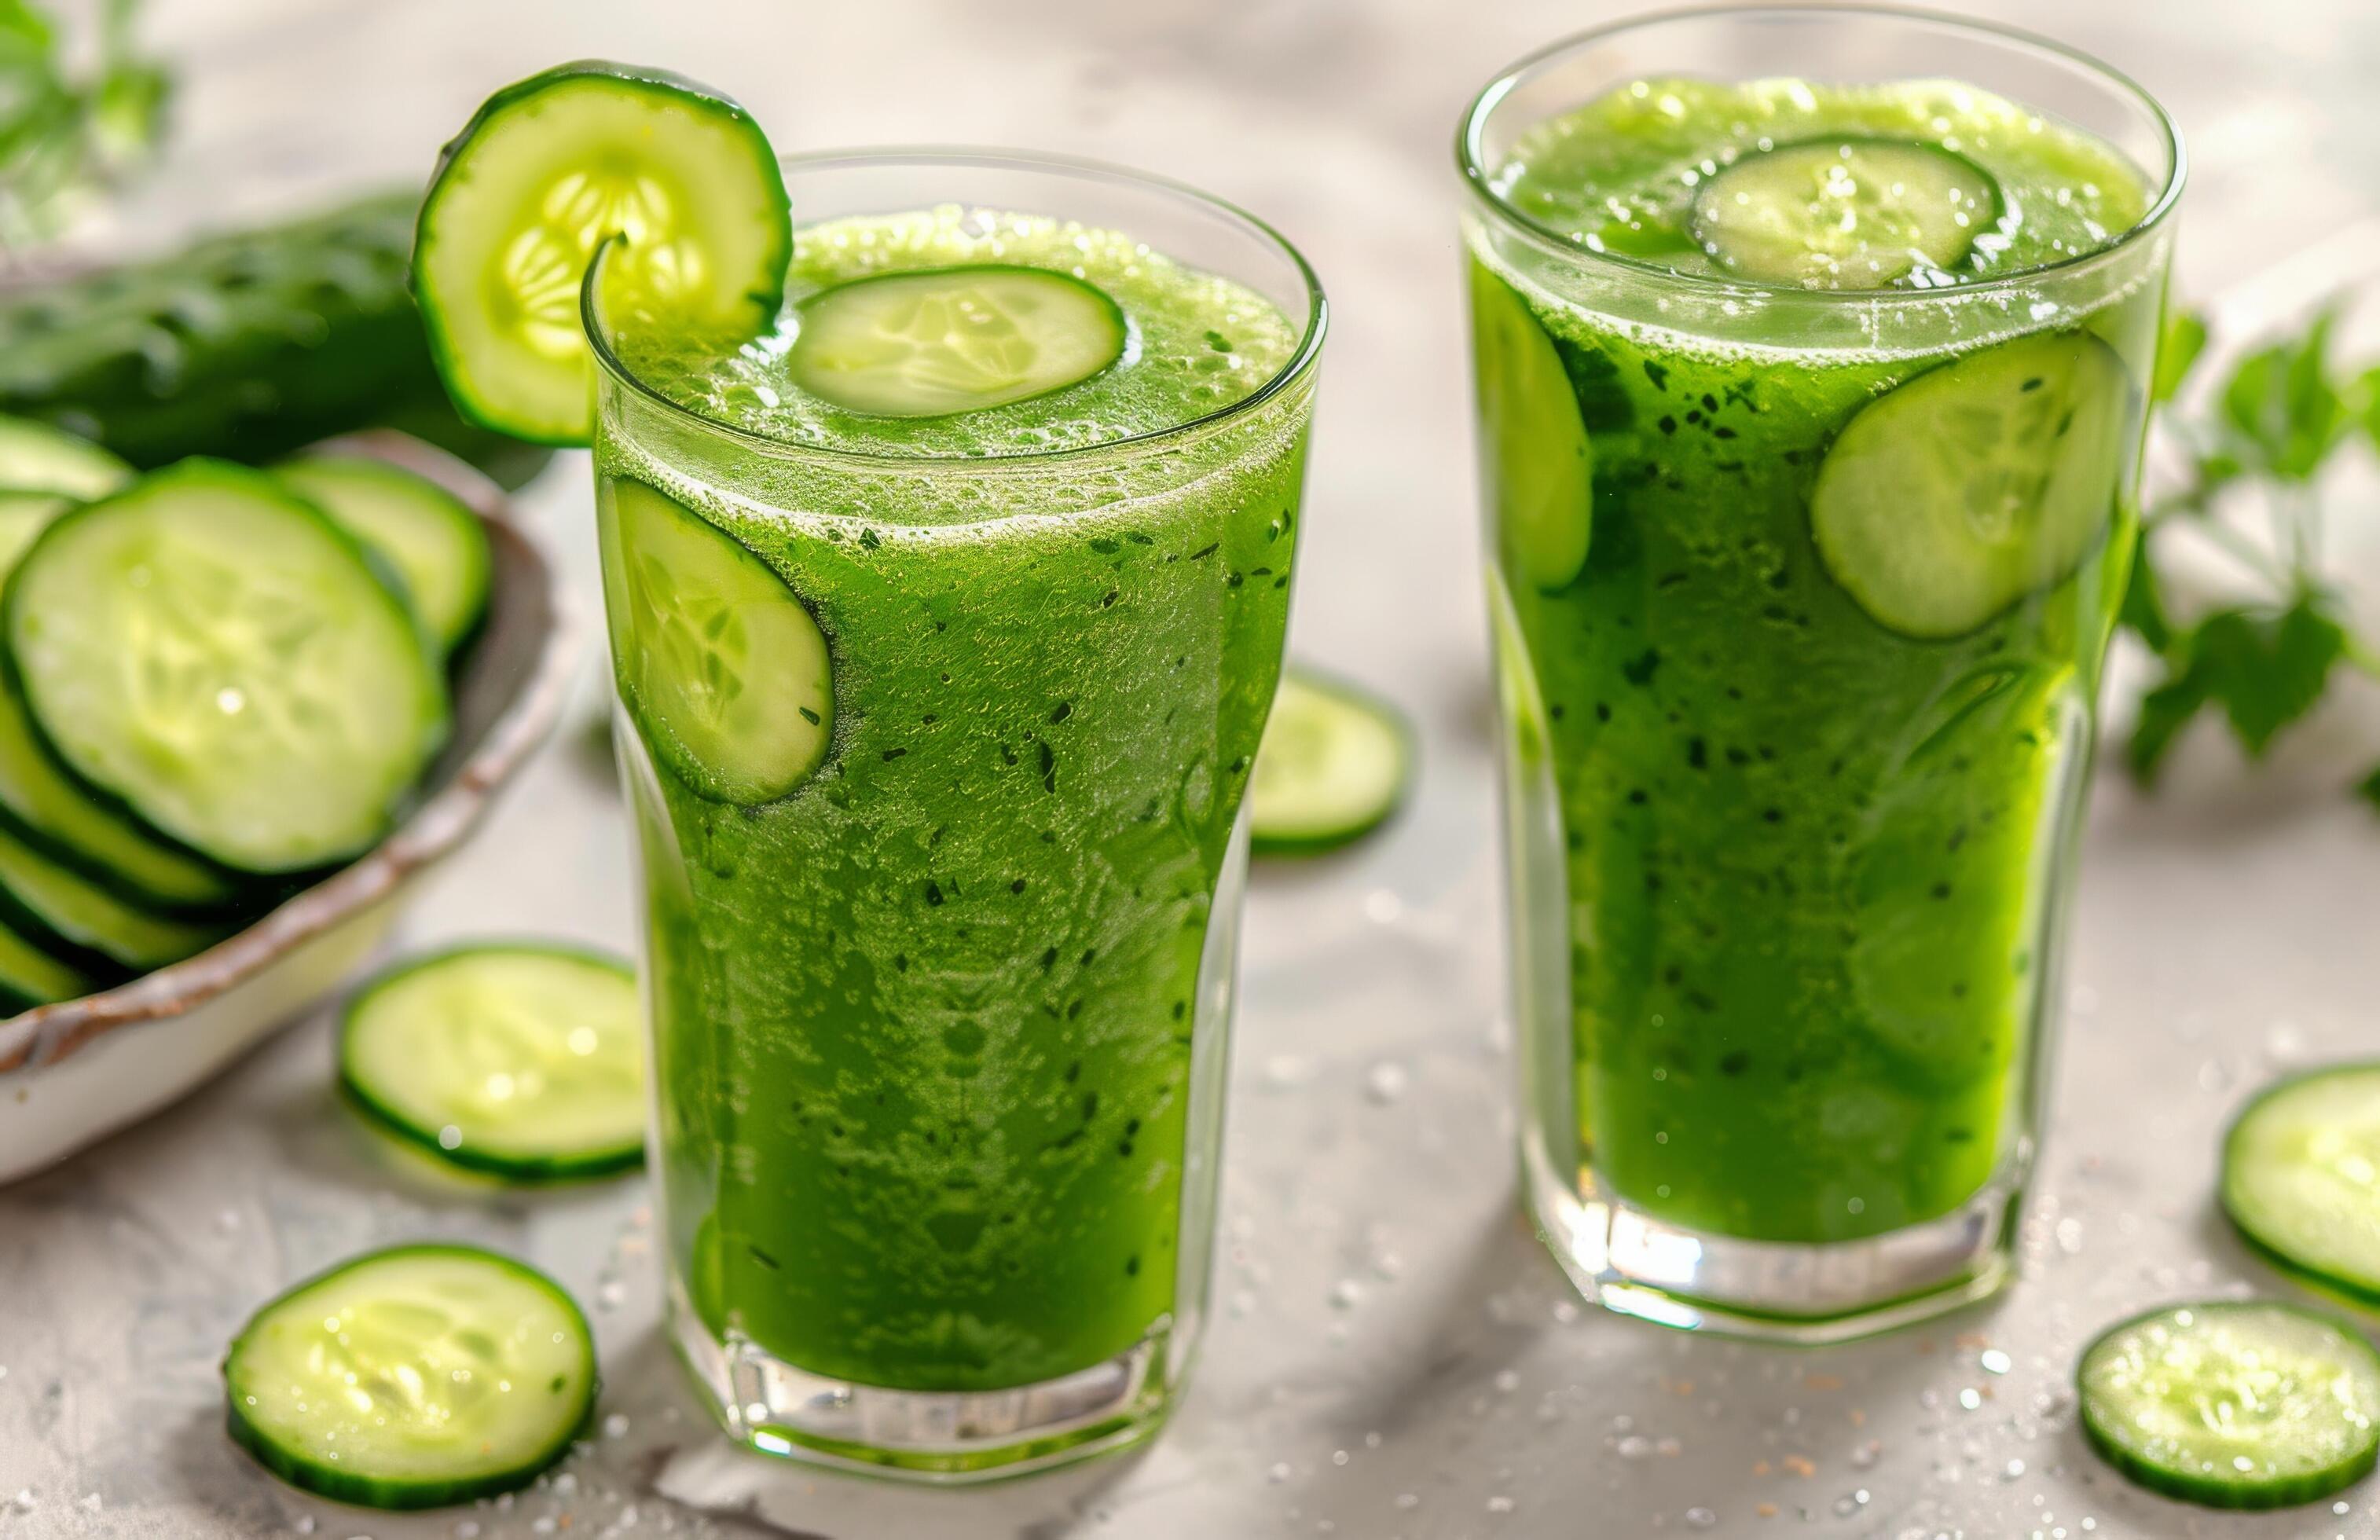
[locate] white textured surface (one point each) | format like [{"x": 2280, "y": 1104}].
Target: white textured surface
[{"x": 1393, "y": 1356}]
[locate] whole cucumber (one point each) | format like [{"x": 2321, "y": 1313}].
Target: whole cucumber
[{"x": 247, "y": 345}]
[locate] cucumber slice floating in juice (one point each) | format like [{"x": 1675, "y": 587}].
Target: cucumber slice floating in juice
[
  {"x": 1845, "y": 213},
  {"x": 220, "y": 658},
  {"x": 548, "y": 170},
  {"x": 2241, "y": 1404},
  {"x": 1334, "y": 764},
  {"x": 520, "y": 1061},
  {"x": 1538, "y": 459},
  {"x": 953, "y": 339},
  {"x": 35, "y": 457},
  {"x": 423, "y": 530},
  {"x": 413, "y": 1377},
  {"x": 87, "y": 917},
  {"x": 1978, "y": 483},
  {"x": 2302, "y": 1176},
  {"x": 715, "y": 656}
]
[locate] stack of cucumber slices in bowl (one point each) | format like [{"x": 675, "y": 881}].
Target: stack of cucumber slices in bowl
[{"x": 215, "y": 681}]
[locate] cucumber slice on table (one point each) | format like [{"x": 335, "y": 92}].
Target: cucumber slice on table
[
  {"x": 2302, "y": 1176},
  {"x": 413, "y": 1377},
  {"x": 35, "y": 457},
  {"x": 1976, "y": 484},
  {"x": 1536, "y": 453},
  {"x": 1334, "y": 764},
  {"x": 420, "y": 529},
  {"x": 2235, "y": 1404},
  {"x": 519, "y": 1061},
  {"x": 1845, "y": 213},
  {"x": 30, "y": 976},
  {"x": 715, "y": 656},
  {"x": 953, "y": 339},
  {"x": 545, "y": 173},
  {"x": 217, "y": 655},
  {"x": 81, "y": 914}
]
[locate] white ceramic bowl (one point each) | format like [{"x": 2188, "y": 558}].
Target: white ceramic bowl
[{"x": 73, "y": 1071}]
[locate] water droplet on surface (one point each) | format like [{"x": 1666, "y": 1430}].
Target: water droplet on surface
[
  {"x": 1278, "y": 1474},
  {"x": 1500, "y": 1505},
  {"x": 2013, "y": 1471},
  {"x": 1701, "y": 1518},
  {"x": 1346, "y": 1294},
  {"x": 1408, "y": 1501},
  {"x": 1994, "y": 1361},
  {"x": 1970, "y": 1399},
  {"x": 1635, "y": 1447},
  {"x": 611, "y": 1293},
  {"x": 1386, "y": 1084},
  {"x": 615, "y": 1425},
  {"x": 1507, "y": 1381}
]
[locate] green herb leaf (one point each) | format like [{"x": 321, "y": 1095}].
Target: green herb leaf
[
  {"x": 2143, "y": 610},
  {"x": 2265, "y": 670},
  {"x": 2178, "y": 350},
  {"x": 2369, "y": 787},
  {"x": 2284, "y": 414},
  {"x": 2165, "y": 711}
]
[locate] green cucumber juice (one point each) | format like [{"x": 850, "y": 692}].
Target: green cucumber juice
[
  {"x": 927, "y": 1019},
  {"x": 1798, "y": 711}
]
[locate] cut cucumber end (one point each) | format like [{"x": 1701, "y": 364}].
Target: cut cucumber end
[
  {"x": 1845, "y": 212},
  {"x": 718, "y": 662},
  {"x": 1536, "y": 453},
  {"x": 413, "y": 1377},
  {"x": 519, "y": 1061},
  {"x": 425, "y": 534},
  {"x": 2234, "y": 1404},
  {"x": 545, "y": 173},
  {"x": 955, "y": 339},
  {"x": 1335, "y": 763},
  {"x": 219, "y": 658},
  {"x": 1977, "y": 484},
  {"x": 2299, "y": 1165}
]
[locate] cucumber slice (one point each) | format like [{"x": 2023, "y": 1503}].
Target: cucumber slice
[
  {"x": 23, "y": 515},
  {"x": 85, "y": 917},
  {"x": 716, "y": 657},
  {"x": 217, "y": 655},
  {"x": 1334, "y": 764},
  {"x": 41, "y": 802},
  {"x": 2241, "y": 1404},
  {"x": 545, "y": 173},
  {"x": 420, "y": 529},
  {"x": 413, "y": 1377},
  {"x": 519, "y": 1061},
  {"x": 35, "y": 457},
  {"x": 1974, "y": 485},
  {"x": 953, "y": 339},
  {"x": 30, "y": 976},
  {"x": 2302, "y": 1176},
  {"x": 1845, "y": 213},
  {"x": 1535, "y": 451}
]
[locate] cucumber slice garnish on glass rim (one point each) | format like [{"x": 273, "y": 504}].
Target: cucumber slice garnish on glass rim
[
  {"x": 1845, "y": 212},
  {"x": 955, "y": 339},
  {"x": 1976, "y": 484},
  {"x": 518, "y": 1059},
  {"x": 413, "y": 1377},
  {"x": 1335, "y": 762},
  {"x": 2238, "y": 1403},
  {"x": 549, "y": 170},
  {"x": 2301, "y": 1177},
  {"x": 718, "y": 660}
]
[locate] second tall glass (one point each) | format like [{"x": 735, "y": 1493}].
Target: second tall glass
[{"x": 1803, "y": 557}]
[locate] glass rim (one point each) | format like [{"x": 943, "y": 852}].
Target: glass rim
[
  {"x": 1300, "y": 363},
  {"x": 1470, "y": 130}
]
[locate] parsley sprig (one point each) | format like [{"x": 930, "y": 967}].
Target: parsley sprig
[{"x": 2257, "y": 451}]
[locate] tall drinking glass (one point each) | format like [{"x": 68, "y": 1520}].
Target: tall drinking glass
[
  {"x": 935, "y": 727},
  {"x": 1813, "y": 354}
]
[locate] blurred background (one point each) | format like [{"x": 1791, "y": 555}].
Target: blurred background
[{"x": 1396, "y": 1357}]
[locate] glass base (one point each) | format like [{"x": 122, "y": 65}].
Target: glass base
[
  {"x": 1630, "y": 1262},
  {"x": 940, "y": 1437}
]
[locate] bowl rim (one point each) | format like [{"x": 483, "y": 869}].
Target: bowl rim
[{"x": 49, "y": 1033}]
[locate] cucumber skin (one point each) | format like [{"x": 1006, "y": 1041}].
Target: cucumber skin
[
  {"x": 246, "y": 346},
  {"x": 402, "y": 1497},
  {"x": 541, "y": 1172},
  {"x": 2361, "y": 1294},
  {"x": 2232, "y": 1497},
  {"x": 636, "y": 76},
  {"x": 1301, "y": 846}
]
